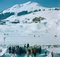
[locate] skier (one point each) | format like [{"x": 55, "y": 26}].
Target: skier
[
  {"x": 52, "y": 53},
  {"x": 34, "y": 51},
  {"x": 40, "y": 50}
]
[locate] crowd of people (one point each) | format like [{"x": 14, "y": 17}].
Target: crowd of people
[{"x": 29, "y": 51}]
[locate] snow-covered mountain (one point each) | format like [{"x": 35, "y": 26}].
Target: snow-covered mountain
[
  {"x": 30, "y": 23},
  {"x": 29, "y": 6}
]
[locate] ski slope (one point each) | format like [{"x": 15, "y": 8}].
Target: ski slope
[{"x": 47, "y": 32}]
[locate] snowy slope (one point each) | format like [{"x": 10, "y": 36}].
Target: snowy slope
[{"x": 21, "y": 29}]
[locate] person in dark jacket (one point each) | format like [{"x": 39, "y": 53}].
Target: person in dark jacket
[
  {"x": 10, "y": 49},
  {"x": 13, "y": 50},
  {"x": 52, "y": 53},
  {"x": 40, "y": 50},
  {"x": 28, "y": 45}
]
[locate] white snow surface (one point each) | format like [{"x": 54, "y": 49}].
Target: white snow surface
[{"x": 23, "y": 33}]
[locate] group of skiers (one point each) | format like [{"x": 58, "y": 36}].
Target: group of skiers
[{"x": 27, "y": 50}]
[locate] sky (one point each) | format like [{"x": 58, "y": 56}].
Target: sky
[{"x": 4, "y": 4}]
